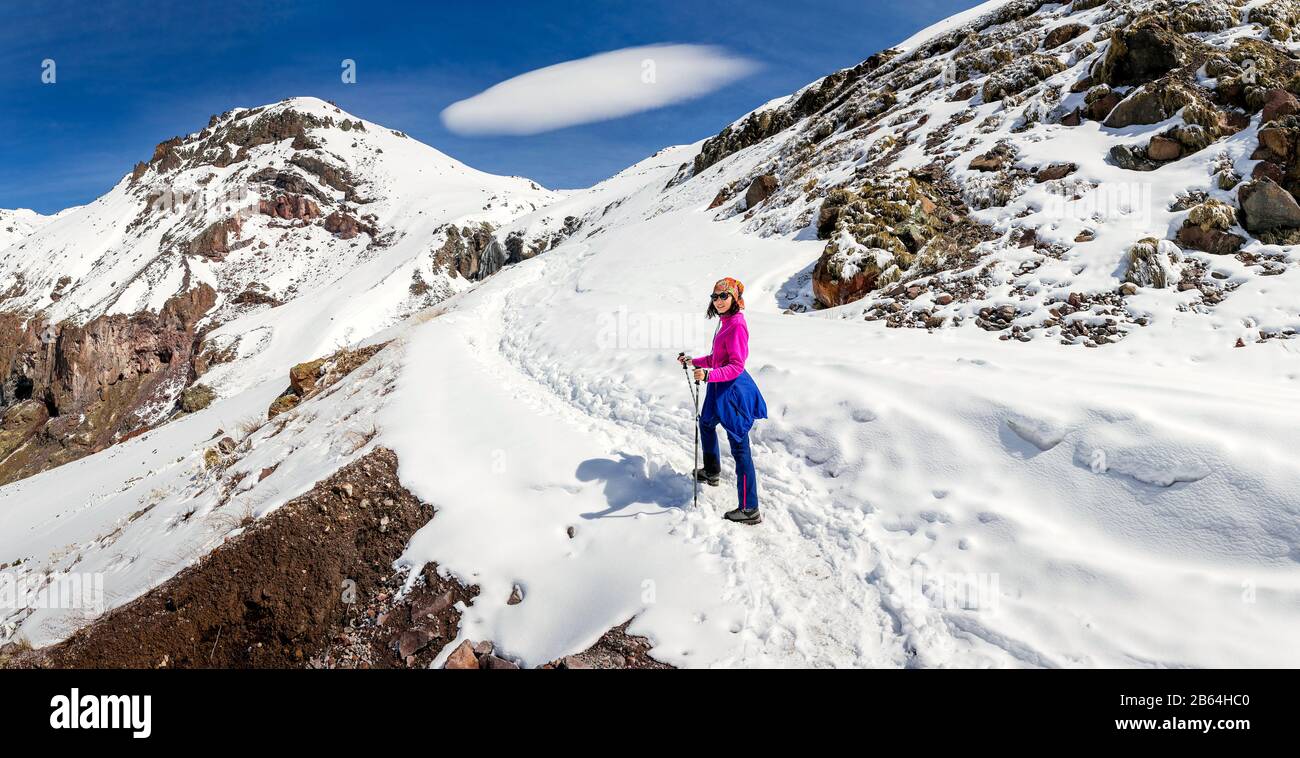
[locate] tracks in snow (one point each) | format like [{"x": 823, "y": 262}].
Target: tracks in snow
[{"x": 817, "y": 579}]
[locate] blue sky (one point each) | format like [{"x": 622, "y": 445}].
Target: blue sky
[{"x": 131, "y": 74}]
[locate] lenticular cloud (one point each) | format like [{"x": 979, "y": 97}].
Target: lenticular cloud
[{"x": 597, "y": 88}]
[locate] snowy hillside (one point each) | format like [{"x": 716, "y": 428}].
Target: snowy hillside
[
  {"x": 18, "y": 224},
  {"x": 1043, "y": 422}
]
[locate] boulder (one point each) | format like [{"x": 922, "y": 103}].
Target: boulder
[
  {"x": 1212, "y": 241},
  {"x": 1164, "y": 149},
  {"x": 1062, "y": 34},
  {"x": 1132, "y": 157},
  {"x": 1100, "y": 101},
  {"x": 1149, "y": 105},
  {"x": 413, "y": 641},
  {"x": 760, "y": 189},
  {"x": 1278, "y": 103},
  {"x": 1055, "y": 171},
  {"x": 462, "y": 657},
  {"x": 1269, "y": 170},
  {"x": 1265, "y": 205}
]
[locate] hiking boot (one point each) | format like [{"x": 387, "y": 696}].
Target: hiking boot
[
  {"x": 710, "y": 478},
  {"x": 749, "y": 517}
]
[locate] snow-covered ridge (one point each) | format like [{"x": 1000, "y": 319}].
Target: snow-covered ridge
[
  {"x": 933, "y": 496},
  {"x": 18, "y": 224}
]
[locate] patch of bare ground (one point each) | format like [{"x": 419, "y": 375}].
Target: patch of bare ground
[{"x": 310, "y": 585}]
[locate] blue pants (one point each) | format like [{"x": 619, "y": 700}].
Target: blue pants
[{"x": 746, "y": 482}]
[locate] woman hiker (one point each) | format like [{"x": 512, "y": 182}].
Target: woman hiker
[{"x": 732, "y": 399}]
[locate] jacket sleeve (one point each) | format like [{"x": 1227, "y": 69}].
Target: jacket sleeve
[
  {"x": 737, "y": 352},
  {"x": 704, "y": 361}
]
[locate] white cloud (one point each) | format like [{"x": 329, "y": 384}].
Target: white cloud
[{"x": 601, "y": 87}]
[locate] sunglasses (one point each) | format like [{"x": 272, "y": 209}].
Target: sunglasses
[{"x": 719, "y": 295}]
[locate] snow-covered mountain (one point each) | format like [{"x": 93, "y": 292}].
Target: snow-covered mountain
[
  {"x": 1021, "y": 293},
  {"x": 274, "y": 234}
]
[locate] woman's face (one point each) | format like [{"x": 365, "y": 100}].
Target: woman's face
[{"x": 721, "y": 304}]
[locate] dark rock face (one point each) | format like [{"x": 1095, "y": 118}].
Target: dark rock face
[
  {"x": 759, "y": 190},
  {"x": 92, "y": 379},
  {"x": 1132, "y": 157},
  {"x": 1267, "y": 206},
  {"x": 473, "y": 253},
  {"x": 1142, "y": 51}
]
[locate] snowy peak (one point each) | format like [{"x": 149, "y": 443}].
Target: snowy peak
[{"x": 274, "y": 201}]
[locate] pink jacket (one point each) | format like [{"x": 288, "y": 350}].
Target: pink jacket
[{"x": 730, "y": 349}]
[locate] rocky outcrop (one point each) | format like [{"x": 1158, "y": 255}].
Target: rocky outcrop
[
  {"x": 760, "y": 125},
  {"x": 96, "y": 382},
  {"x": 1144, "y": 50},
  {"x": 289, "y": 207},
  {"x": 471, "y": 252},
  {"x": 310, "y": 377},
  {"x": 346, "y": 226},
  {"x": 214, "y": 241},
  {"x": 893, "y": 227}
]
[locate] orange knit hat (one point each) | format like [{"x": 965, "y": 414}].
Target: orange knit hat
[{"x": 736, "y": 289}]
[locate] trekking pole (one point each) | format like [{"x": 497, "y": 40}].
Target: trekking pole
[{"x": 695, "y": 398}]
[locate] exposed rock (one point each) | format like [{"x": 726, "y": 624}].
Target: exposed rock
[
  {"x": 473, "y": 253},
  {"x": 491, "y": 661},
  {"x": 1062, "y": 34},
  {"x": 289, "y": 206},
  {"x": 1268, "y": 170},
  {"x": 1278, "y": 103},
  {"x": 310, "y": 377},
  {"x": 462, "y": 657},
  {"x": 347, "y": 227},
  {"x": 1164, "y": 149},
  {"x": 269, "y": 597},
  {"x": 1150, "y": 104},
  {"x": 1139, "y": 52},
  {"x": 1022, "y": 74},
  {"x": 994, "y": 160},
  {"x": 1132, "y": 157},
  {"x": 1055, "y": 171},
  {"x": 1265, "y": 206},
  {"x": 95, "y": 379},
  {"x": 1100, "y": 101},
  {"x": 760, "y": 125},
  {"x": 1213, "y": 241},
  {"x": 1206, "y": 228},
  {"x": 214, "y": 241},
  {"x": 896, "y": 224},
  {"x": 759, "y": 190}
]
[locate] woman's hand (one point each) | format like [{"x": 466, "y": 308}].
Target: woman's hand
[
  {"x": 683, "y": 358},
  {"x": 700, "y": 374}
]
